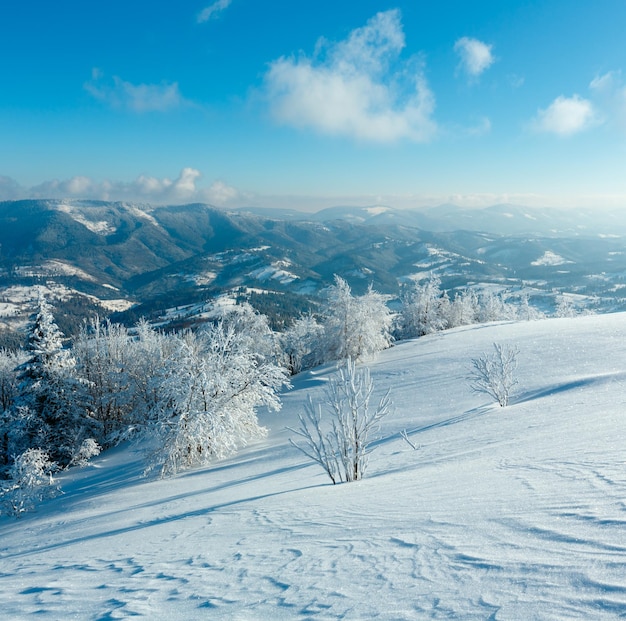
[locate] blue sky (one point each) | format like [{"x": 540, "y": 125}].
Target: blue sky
[{"x": 314, "y": 103}]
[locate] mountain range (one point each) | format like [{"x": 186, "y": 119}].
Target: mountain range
[{"x": 137, "y": 259}]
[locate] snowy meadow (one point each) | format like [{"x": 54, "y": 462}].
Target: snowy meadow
[{"x": 497, "y": 513}]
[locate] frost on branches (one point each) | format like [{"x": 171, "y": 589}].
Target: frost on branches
[
  {"x": 48, "y": 412},
  {"x": 494, "y": 374},
  {"x": 208, "y": 393},
  {"x": 355, "y": 326},
  {"x": 30, "y": 481},
  {"x": 340, "y": 444}
]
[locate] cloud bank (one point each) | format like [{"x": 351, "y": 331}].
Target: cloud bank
[
  {"x": 565, "y": 116},
  {"x": 144, "y": 188},
  {"x": 120, "y": 94},
  {"x": 475, "y": 56},
  {"x": 358, "y": 87}
]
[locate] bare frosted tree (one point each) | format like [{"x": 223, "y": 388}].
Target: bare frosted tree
[
  {"x": 342, "y": 446},
  {"x": 494, "y": 374}
]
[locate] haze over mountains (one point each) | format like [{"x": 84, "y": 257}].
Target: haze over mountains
[{"x": 112, "y": 256}]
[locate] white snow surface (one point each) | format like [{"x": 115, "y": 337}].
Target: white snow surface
[
  {"x": 506, "y": 514},
  {"x": 100, "y": 227}
]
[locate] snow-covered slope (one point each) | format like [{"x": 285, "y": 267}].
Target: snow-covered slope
[{"x": 515, "y": 513}]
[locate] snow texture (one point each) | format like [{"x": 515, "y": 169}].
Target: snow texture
[{"x": 506, "y": 514}]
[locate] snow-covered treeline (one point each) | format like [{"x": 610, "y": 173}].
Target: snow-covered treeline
[
  {"x": 192, "y": 394},
  {"x": 426, "y": 308}
]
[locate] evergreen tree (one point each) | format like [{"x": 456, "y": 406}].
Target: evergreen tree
[{"x": 48, "y": 413}]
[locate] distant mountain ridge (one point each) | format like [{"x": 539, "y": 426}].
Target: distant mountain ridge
[
  {"x": 114, "y": 255},
  {"x": 502, "y": 219}
]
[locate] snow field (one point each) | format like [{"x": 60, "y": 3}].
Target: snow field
[{"x": 507, "y": 514}]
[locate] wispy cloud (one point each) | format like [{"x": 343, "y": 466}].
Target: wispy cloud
[
  {"x": 566, "y": 116},
  {"x": 609, "y": 92},
  {"x": 358, "y": 87},
  {"x": 145, "y": 188},
  {"x": 135, "y": 97},
  {"x": 475, "y": 56},
  {"x": 213, "y": 10}
]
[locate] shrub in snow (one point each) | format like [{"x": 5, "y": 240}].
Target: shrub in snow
[
  {"x": 340, "y": 443},
  {"x": 30, "y": 482},
  {"x": 88, "y": 449},
  {"x": 494, "y": 374}
]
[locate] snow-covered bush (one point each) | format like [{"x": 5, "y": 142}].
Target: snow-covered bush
[
  {"x": 341, "y": 443},
  {"x": 207, "y": 396},
  {"x": 494, "y": 374},
  {"x": 30, "y": 482},
  {"x": 88, "y": 449}
]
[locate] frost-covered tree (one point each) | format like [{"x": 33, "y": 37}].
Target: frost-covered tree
[
  {"x": 9, "y": 383},
  {"x": 301, "y": 344},
  {"x": 340, "y": 444},
  {"x": 493, "y": 307},
  {"x": 209, "y": 391},
  {"x": 254, "y": 327},
  {"x": 151, "y": 353},
  {"x": 464, "y": 309},
  {"x": 425, "y": 308},
  {"x": 495, "y": 374},
  {"x": 105, "y": 360},
  {"x": 355, "y": 326},
  {"x": 49, "y": 413},
  {"x": 525, "y": 311},
  {"x": 9, "y": 361},
  {"x": 565, "y": 307}
]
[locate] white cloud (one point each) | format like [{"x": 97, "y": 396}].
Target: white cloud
[
  {"x": 219, "y": 193},
  {"x": 349, "y": 88},
  {"x": 566, "y": 116},
  {"x": 475, "y": 56},
  {"x": 213, "y": 10},
  {"x": 145, "y": 188},
  {"x": 135, "y": 97}
]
